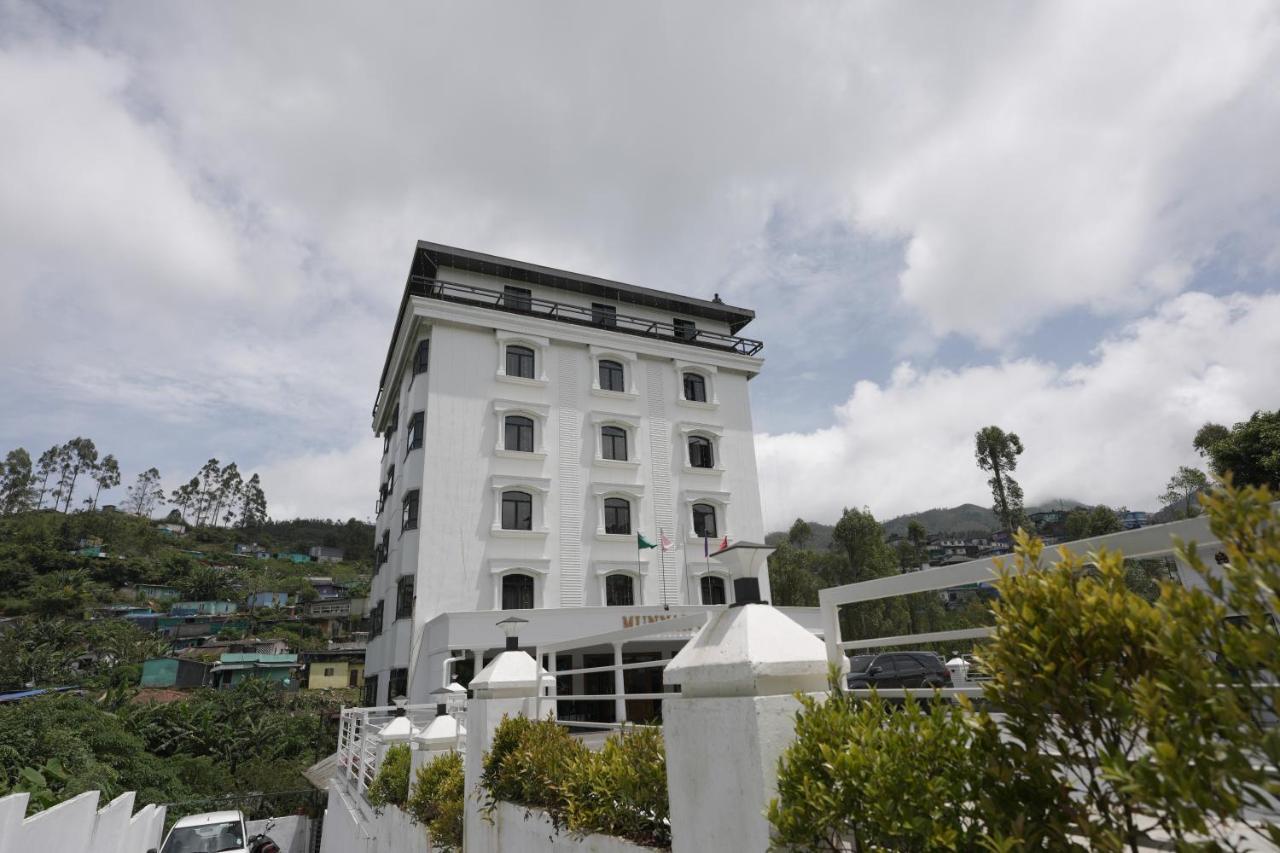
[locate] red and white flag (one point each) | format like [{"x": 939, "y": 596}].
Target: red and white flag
[
  {"x": 664, "y": 541},
  {"x": 724, "y": 543}
]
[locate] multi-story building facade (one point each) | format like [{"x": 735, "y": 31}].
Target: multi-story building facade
[{"x": 535, "y": 422}]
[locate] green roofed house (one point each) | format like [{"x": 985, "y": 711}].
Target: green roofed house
[
  {"x": 174, "y": 672},
  {"x": 232, "y": 668},
  {"x": 158, "y": 592}
]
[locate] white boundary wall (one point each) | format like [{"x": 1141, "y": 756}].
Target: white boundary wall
[{"x": 78, "y": 826}]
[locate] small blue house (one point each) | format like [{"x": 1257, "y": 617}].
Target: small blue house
[
  {"x": 202, "y": 608},
  {"x": 268, "y": 599}
]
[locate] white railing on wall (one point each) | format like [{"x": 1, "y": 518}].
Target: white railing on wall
[
  {"x": 360, "y": 745},
  {"x": 1158, "y": 541},
  {"x": 677, "y": 627}
]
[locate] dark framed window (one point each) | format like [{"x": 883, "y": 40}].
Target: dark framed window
[
  {"x": 613, "y": 443},
  {"x": 391, "y": 430},
  {"x": 517, "y": 298},
  {"x": 409, "y": 517},
  {"x": 701, "y": 452},
  {"x": 517, "y": 511},
  {"x": 386, "y": 441},
  {"x": 421, "y": 357},
  {"x": 386, "y": 547},
  {"x": 686, "y": 330},
  {"x": 414, "y": 436},
  {"x": 712, "y": 589},
  {"x": 520, "y": 361},
  {"x": 404, "y": 597},
  {"x": 704, "y": 521},
  {"x": 519, "y": 433},
  {"x": 370, "y": 691},
  {"x": 391, "y": 481},
  {"x": 695, "y": 387},
  {"x": 619, "y": 591},
  {"x": 397, "y": 684},
  {"x": 604, "y": 315},
  {"x": 517, "y": 592},
  {"x": 612, "y": 377},
  {"x": 617, "y": 516},
  {"x": 375, "y": 620}
]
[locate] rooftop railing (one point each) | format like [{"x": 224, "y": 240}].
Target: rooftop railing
[{"x": 522, "y": 303}]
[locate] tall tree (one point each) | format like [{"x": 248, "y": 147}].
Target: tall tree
[
  {"x": 106, "y": 474},
  {"x": 253, "y": 504},
  {"x": 79, "y": 455},
  {"x": 1250, "y": 450},
  {"x": 1083, "y": 522},
  {"x": 229, "y": 488},
  {"x": 16, "y": 482},
  {"x": 1183, "y": 487},
  {"x": 997, "y": 453},
  {"x": 800, "y": 533},
  {"x": 184, "y": 497},
  {"x": 47, "y": 465},
  {"x": 210, "y": 478},
  {"x": 919, "y": 539},
  {"x": 145, "y": 493}
]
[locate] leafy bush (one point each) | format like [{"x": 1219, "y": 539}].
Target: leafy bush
[
  {"x": 391, "y": 785},
  {"x": 438, "y": 800},
  {"x": 621, "y": 790},
  {"x": 1125, "y": 715}
]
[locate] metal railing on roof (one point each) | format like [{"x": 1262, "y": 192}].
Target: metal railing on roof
[{"x": 521, "y": 303}]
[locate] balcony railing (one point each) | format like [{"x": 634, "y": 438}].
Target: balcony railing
[{"x": 523, "y": 303}]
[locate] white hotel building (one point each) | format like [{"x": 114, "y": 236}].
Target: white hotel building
[{"x": 534, "y": 422}]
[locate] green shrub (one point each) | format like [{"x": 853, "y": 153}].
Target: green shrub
[
  {"x": 438, "y": 800},
  {"x": 1126, "y": 715},
  {"x": 622, "y": 789},
  {"x": 391, "y": 785}
]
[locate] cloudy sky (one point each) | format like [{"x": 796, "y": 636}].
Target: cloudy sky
[{"x": 1062, "y": 218}]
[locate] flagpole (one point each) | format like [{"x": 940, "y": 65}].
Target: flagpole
[
  {"x": 688, "y": 582},
  {"x": 662, "y": 559}
]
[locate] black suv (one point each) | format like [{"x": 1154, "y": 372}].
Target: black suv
[{"x": 898, "y": 669}]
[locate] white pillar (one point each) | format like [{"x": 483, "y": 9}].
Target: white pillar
[
  {"x": 508, "y": 686},
  {"x": 733, "y": 719},
  {"x": 619, "y": 686}
]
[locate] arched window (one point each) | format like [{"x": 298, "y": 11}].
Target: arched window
[
  {"x": 617, "y": 516},
  {"x": 519, "y": 361},
  {"x": 619, "y": 591},
  {"x": 519, "y": 435},
  {"x": 695, "y": 387},
  {"x": 517, "y": 592},
  {"x": 712, "y": 589},
  {"x": 517, "y": 511},
  {"x": 613, "y": 443},
  {"x": 612, "y": 377},
  {"x": 701, "y": 454},
  {"x": 704, "y": 521}
]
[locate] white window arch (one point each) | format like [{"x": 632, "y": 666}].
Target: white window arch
[
  {"x": 619, "y": 568},
  {"x": 709, "y": 437},
  {"x": 705, "y": 375},
  {"x": 714, "y": 580},
  {"x": 719, "y": 502},
  {"x": 537, "y": 489},
  {"x": 626, "y": 360},
  {"x": 499, "y": 570},
  {"x": 532, "y": 343},
  {"x": 633, "y": 496},
  {"x": 535, "y": 412},
  {"x": 629, "y": 426}
]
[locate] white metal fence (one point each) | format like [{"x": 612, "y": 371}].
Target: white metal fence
[
  {"x": 1158, "y": 541},
  {"x": 361, "y": 746}
]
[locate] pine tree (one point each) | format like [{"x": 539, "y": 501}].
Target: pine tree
[
  {"x": 16, "y": 482},
  {"x": 997, "y": 452}
]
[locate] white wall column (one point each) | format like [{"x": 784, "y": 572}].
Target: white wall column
[
  {"x": 736, "y": 714},
  {"x": 619, "y": 686}
]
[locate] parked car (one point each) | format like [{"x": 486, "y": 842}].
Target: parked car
[
  {"x": 211, "y": 832},
  {"x": 897, "y": 669}
]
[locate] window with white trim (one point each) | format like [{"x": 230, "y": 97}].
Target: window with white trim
[
  {"x": 517, "y": 298},
  {"x": 619, "y": 590},
  {"x": 518, "y": 433},
  {"x": 701, "y": 452},
  {"x": 613, "y": 443},
  {"x": 517, "y": 510},
  {"x": 612, "y": 375},
  {"x": 517, "y": 591},
  {"x": 617, "y": 516},
  {"x": 422, "y": 356},
  {"x": 413, "y": 437},
  {"x": 695, "y": 387},
  {"x": 520, "y": 361},
  {"x": 704, "y": 521},
  {"x": 409, "y": 515},
  {"x": 712, "y": 589}
]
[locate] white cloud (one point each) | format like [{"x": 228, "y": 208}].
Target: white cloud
[
  {"x": 337, "y": 484},
  {"x": 1111, "y": 430}
]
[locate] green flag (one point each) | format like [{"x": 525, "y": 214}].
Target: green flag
[{"x": 641, "y": 542}]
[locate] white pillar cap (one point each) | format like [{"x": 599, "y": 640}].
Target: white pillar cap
[
  {"x": 510, "y": 674},
  {"x": 752, "y": 650}
]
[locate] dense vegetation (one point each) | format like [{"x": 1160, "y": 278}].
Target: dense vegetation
[{"x": 1122, "y": 717}]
